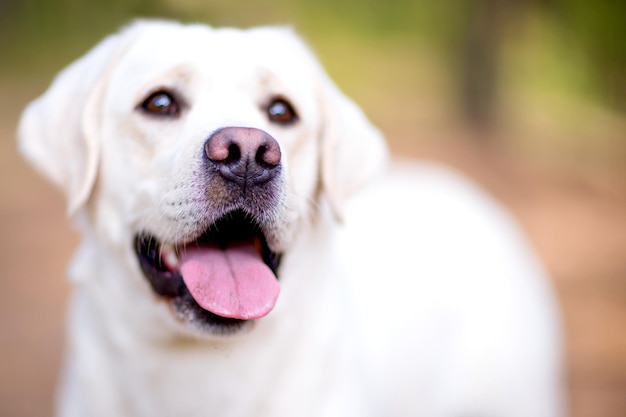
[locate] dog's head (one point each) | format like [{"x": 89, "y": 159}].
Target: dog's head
[{"x": 201, "y": 152}]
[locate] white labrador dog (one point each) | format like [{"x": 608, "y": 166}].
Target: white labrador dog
[{"x": 229, "y": 266}]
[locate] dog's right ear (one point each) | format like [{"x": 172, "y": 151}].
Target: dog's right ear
[{"x": 59, "y": 131}]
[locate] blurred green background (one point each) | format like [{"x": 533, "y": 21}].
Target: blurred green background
[{"x": 527, "y": 97}]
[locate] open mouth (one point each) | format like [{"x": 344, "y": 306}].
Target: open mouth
[{"x": 225, "y": 277}]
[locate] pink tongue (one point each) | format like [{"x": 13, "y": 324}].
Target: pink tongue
[{"x": 232, "y": 282}]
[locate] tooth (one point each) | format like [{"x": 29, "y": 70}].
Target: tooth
[{"x": 169, "y": 256}]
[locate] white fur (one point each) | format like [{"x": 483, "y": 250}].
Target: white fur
[{"x": 417, "y": 296}]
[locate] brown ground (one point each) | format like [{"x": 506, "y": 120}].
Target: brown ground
[{"x": 577, "y": 224}]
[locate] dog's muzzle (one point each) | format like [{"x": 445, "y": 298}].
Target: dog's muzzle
[{"x": 227, "y": 274}]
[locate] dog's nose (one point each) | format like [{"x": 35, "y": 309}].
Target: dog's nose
[{"x": 245, "y": 156}]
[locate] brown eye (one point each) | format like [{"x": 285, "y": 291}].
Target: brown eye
[
  {"x": 161, "y": 103},
  {"x": 281, "y": 111}
]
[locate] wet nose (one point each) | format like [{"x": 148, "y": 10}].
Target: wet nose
[{"x": 243, "y": 155}]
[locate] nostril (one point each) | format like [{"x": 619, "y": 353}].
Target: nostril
[
  {"x": 260, "y": 156},
  {"x": 234, "y": 153},
  {"x": 268, "y": 155},
  {"x": 222, "y": 149}
]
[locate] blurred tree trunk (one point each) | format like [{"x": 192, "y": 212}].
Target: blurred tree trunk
[
  {"x": 479, "y": 50},
  {"x": 485, "y": 26}
]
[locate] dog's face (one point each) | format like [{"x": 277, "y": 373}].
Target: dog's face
[{"x": 198, "y": 154}]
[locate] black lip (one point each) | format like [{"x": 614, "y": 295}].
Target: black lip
[
  {"x": 236, "y": 226},
  {"x": 164, "y": 282}
]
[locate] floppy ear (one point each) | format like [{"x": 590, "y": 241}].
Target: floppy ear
[
  {"x": 58, "y": 132},
  {"x": 353, "y": 151}
]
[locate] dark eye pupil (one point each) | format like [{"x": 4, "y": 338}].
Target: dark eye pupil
[
  {"x": 280, "y": 111},
  {"x": 161, "y": 103}
]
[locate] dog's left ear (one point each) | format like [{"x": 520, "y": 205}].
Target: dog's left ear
[
  {"x": 58, "y": 132},
  {"x": 353, "y": 151}
]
